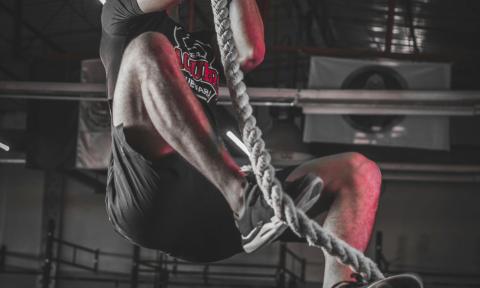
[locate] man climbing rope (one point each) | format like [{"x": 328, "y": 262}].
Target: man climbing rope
[{"x": 172, "y": 184}]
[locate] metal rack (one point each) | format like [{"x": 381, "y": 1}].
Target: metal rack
[
  {"x": 164, "y": 271},
  {"x": 159, "y": 272}
]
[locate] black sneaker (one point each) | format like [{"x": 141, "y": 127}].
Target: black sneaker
[
  {"x": 396, "y": 281},
  {"x": 258, "y": 224}
]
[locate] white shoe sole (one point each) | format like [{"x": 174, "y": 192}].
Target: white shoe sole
[
  {"x": 306, "y": 201},
  {"x": 267, "y": 233}
]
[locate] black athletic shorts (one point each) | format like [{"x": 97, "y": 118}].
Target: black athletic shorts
[{"x": 168, "y": 205}]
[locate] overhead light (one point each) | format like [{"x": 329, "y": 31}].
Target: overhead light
[
  {"x": 102, "y": 1},
  {"x": 238, "y": 142},
  {"x": 378, "y": 29},
  {"x": 4, "y": 147}
]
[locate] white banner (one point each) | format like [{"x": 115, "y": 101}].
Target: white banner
[
  {"x": 94, "y": 138},
  {"x": 426, "y": 132}
]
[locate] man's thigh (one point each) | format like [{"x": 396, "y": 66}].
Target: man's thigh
[{"x": 129, "y": 109}]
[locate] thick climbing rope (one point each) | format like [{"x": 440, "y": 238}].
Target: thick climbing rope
[{"x": 260, "y": 159}]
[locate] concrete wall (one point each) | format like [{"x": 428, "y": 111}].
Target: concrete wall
[
  {"x": 432, "y": 226},
  {"x": 86, "y": 223},
  {"x": 21, "y": 196},
  {"x": 426, "y": 227}
]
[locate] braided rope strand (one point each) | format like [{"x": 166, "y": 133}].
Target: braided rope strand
[{"x": 260, "y": 159}]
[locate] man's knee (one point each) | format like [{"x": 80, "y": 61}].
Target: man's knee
[
  {"x": 363, "y": 175},
  {"x": 148, "y": 48}
]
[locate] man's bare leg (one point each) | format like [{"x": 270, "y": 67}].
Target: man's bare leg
[
  {"x": 161, "y": 115},
  {"x": 352, "y": 186}
]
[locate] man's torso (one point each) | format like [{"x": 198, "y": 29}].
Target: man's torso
[{"x": 122, "y": 21}]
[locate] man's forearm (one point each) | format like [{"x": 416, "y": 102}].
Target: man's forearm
[{"x": 248, "y": 32}]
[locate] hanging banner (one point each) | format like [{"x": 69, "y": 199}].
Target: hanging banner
[
  {"x": 426, "y": 132},
  {"x": 93, "y": 137}
]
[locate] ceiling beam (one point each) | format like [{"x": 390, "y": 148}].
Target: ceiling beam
[
  {"x": 17, "y": 29},
  {"x": 49, "y": 42},
  {"x": 371, "y": 102}
]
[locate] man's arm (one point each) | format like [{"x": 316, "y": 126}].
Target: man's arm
[
  {"x": 247, "y": 27},
  {"x": 148, "y": 6}
]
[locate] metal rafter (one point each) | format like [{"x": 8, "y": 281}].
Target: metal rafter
[
  {"x": 409, "y": 22},
  {"x": 392, "y": 4},
  {"x": 322, "y": 20},
  {"x": 83, "y": 16},
  {"x": 50, "y": 43},
  {"x": 17, "y": 28},
  {"x": 9, "y": 73},
  {"x": 52, "y": 17},
  {"x": 371, "y": 102}
]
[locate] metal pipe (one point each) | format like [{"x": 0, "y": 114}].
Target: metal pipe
[
  {"x": 375, "y": 102},
  {"x": 379, "y": 258},
  {"x": 75, "y": 246},
  {"x": 3, "y": 257},
  {"x": 54, "y": 98},
  {"x": 135, "y": 267},
  {"x": 52, "y": 88},
  {"x": 314, "y": 108},
  {"x": 292, "y": 254},
  {"x": 282, "y": 266},
  {"x": 358, "y": 109},
  {"x": 40, "y": 90},
  {"x": 236, "y": 265},
  {"x": 440, "y": 173},
  {"x": 12, "y": 161},
  {"x": 17, "y": 29},
  {"x": 76, "y": 265},
  {"x": 74, "y": 256},
  {"x": 429, "y": 168},
  {"x": 303, "y": 270},
  {"x": 387, "y": 96},
  {"x": 432, "y": 178},
  {"x": 95, "y": 260},
  {"x": 47, "y": 263}
]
